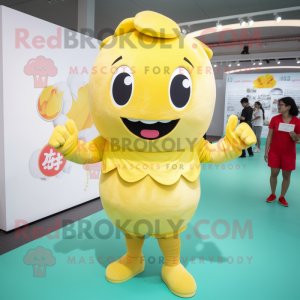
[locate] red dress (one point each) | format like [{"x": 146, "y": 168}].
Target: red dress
[{"x": 282, "y": 152}]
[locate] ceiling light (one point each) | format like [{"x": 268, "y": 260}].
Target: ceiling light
[
  {"x": 250, "y": 21},
  {"x": 267, "y": 61},
  {"x": 184, "y": 31},
  {"x": 229, "y": 64},
  {"x": 238, "y": 63},
  {"x": 253, "y": 62},
  {"x": 277, "y": 17},
  {"x": 278, "y": 61},
  {"x": 242, "y": 22},
  {"x": 260, "y": 62},
  {"x": 215, "y": 64},
  {"x": 298, "y": 60},
  {"x": 219, "y": 25}
]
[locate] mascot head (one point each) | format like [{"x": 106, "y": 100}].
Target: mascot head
[{"x": 151, "y": 87}]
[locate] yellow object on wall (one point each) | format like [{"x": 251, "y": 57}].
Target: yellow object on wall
[
  {"x": 49, "y": 103},
  {"x": 265, "y": 81}
]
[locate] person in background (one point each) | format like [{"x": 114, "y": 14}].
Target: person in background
[
  {"x": 280, "y": 150},
  {"x": 246, "y": 116},
  {"x": 257, "y": 123}
]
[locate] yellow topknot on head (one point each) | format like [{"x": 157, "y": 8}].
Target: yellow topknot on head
[
  {"x": 149, "y": 23},
  {"x": 156, "y": 25}
]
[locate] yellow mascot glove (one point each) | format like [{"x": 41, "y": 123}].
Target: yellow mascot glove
[
  {"x": 235, "y": 140},
  {"x": 65, "y": 139}
]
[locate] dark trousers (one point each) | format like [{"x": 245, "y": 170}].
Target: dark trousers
[{"x": 250, "y": 152}]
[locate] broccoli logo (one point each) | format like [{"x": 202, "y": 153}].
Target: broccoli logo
[{"x": 39, "y": 258}]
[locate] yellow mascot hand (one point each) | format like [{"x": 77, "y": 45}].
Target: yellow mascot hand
[
  {"x": 65, "y": 139},
  {"x": 235, "y": 140},
  {"x": 244, "y": 133}
]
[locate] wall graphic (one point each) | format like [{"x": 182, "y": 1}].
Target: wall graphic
[
  {"x": 44, "y": 72},
  {"x": 265, "y": 88}
]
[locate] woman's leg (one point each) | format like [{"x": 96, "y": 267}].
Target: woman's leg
[
  {"x": 254, "y": 130},
  {"x": 129, "y": 265},
  {"x": 285, "y": 182},
  {"x": 273, "y": 179},
  {"x": 176, "y": 277},
  {"x": 258, "y": 143}
]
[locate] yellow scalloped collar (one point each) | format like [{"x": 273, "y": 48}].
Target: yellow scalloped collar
[{"x": 164, "y": 167}]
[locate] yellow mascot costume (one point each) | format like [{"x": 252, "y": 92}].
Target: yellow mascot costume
[{"x": 152, "y": 97}]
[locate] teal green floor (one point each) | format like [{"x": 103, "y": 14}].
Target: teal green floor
[{"x": 227, "y": 194}]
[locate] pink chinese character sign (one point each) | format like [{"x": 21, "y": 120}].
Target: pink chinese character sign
[{"x": 50, "y": 161}]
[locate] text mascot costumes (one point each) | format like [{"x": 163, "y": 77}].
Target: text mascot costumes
[{"x": 152, "y": 97}]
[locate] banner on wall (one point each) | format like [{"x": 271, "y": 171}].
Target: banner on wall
[
  {"x": 45, "y": 72},
  {"x": 265, "y": 88}
]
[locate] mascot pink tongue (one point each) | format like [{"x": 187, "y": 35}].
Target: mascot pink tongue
[
  {"x": 160, "y": 113},
  {"x": 150, "y": 134}
]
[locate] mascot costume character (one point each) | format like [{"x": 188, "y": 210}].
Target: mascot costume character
[{"x": 151, "y": 97}]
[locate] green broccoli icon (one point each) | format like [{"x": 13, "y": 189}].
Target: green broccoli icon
[{"x": 39, "y": 258}]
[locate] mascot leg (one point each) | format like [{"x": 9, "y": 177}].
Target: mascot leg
[
  {"x": 175, "y": 276},
  {"x": 131, "y": 264}
]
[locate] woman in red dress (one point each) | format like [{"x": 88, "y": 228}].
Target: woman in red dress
[{"x": 280, "y": 150}]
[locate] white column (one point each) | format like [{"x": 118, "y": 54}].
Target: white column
[{"x": 86, "y": 17}]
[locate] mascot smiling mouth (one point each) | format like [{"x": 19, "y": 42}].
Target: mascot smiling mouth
[{"x": 150, "y": 129}]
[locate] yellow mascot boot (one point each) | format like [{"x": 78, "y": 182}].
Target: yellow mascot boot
[
  {"x": 173, "y": 273},
  {"x": 131, "y": 264}
]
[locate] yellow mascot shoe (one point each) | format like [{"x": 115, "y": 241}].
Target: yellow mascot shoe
[
  {"x": 125, "y": 268},
  {"x": 179, "y": 281}
]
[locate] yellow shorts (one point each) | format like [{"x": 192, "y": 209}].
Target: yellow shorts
[{"x": 157, "y": 236}]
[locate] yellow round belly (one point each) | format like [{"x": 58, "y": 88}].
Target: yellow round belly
[{"x": 146, "y": 206}]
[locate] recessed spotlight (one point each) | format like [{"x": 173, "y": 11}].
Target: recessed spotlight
[
  {"x": 277, "y": 61},
  {"x": 260, "y": 62},
  {"x": 219, "y": 25},
  {"x": 277, "y": 17},
  {"x": 250, "y": 21},
  {"x": 242, "y": 22}
]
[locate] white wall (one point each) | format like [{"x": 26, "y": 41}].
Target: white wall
[
  {"x": 2, "y": 166},
  {"x": 24, "y": 133}
]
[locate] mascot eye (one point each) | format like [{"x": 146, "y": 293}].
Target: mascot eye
[
  {"x": 180, "y": 88},
  {"x": 122, "y": 86}
]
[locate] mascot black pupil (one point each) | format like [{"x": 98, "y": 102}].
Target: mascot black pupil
[
  {"x": 121, "y": 91},
  {"x": 179, "y": 94}
]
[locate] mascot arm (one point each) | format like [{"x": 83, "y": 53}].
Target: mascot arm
[
  {"x": 229, "y": 147},
  {"x": 65, "y": 140}
]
